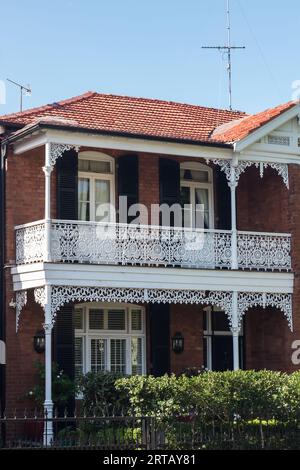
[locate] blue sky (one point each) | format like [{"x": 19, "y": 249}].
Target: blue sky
[{"x": 149, "y": 48}]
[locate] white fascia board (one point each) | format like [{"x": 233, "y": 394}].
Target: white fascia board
[
  {"x": 31, "y": 142},
  {"x": 121, "y": 143},
  {"x": 267, "y": 128},
  {"x": 30, "y": 276},
  {"x": 268, "y": 157}
]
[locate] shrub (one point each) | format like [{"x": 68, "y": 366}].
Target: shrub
[
  {"x": 223, "y": 396},
  {"x": 63, "y": 388},
  {"x": 100, "y": 396}
]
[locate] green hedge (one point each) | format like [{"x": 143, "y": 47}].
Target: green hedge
[
  {"x": 214, "y": 410},
  {"x": 222, "y": 396}
]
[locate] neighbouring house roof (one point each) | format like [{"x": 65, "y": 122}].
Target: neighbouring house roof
[{"x": 145, "y": 117}]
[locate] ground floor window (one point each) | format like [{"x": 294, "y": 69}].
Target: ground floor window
[
  {"x": 217, "y": 341},
  {"x": 110, "y": 337}
]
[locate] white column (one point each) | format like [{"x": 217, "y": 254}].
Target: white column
[
  {"x": 48, "y": 404},
  {"x": 47, "y": 170},
  {"x": 233, "y": 186},
  {"x": 235, "y": 329}
]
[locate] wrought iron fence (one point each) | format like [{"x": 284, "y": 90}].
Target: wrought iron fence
[
  {"x": 144, "y": 433},
  {"x": 76, "y": 432}
]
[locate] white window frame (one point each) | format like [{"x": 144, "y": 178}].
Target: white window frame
[
  {"x": 197, "y": 166},
  {"x": 99, "y": 156},
  {"x": 209, "y": 333},
  {"x": 126, "y": 334}
]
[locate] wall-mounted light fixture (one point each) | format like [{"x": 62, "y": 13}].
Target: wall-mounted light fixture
[
  {"x": 178, "y": 343},
  {"x": 39, "y": 341}
]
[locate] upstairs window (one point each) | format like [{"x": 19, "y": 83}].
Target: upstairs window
[
  {"x": 196, "y": 188},
  {"x": 96, "y": 191}
]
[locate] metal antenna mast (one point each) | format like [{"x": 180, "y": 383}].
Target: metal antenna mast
[
  {"x": 227, "y": 48},
  {"x": 23, "y": 89}
]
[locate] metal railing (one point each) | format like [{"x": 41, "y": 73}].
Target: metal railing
[
  {"x": 140, "y": 245},
  {"x": 145, "y": 433},
  {"x": 76, "y": 432}
]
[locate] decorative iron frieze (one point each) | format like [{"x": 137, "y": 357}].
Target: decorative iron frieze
[
  {"x": 21, "y": 301},
  {"x": 283, "y": 302},
  {"x": 57, "y": 150}
]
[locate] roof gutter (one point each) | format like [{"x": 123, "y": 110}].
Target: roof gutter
[{"x": 39, "y": 126}]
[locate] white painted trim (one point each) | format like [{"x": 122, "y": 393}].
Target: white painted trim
[
  {"x": 94, "y": 155},
  {"x": 131, "y": 144},
  {"x": 267, "y": 128},
  {"x": 148, "y": 146},
  {"x": 36, "y": 275}
]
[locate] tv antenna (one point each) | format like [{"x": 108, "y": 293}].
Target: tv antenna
[
  {"x": 23, "y": 90},
  {"x": 228, "y": 48}
]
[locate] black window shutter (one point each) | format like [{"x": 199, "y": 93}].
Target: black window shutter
[
  {"x": 128, "y": 180},
  {"x": 67, "y": 208},
  {"x": 160, "y": 339},
  {"x": 169, "y": 183},
  {"x": 67, "y": 186},
  {"x": 223, "y": 201}
]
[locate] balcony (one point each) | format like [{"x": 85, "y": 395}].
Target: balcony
[{"x": 122, "y": 244}]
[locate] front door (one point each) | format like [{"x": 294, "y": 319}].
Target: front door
[{"x": 222, "y": 358}]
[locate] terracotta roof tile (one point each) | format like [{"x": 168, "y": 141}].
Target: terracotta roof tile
[
  {"x": 146, "y": 117},
  {"x": 240, "y": 129},
  {"x": 136, "y": 116}
]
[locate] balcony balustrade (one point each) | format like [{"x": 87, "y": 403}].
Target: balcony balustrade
[{"x": 140, "y": 245}]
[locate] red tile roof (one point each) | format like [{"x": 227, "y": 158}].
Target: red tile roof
[
  {"x": 240, "y": 129},
  {"x": 145, "y": 117}
]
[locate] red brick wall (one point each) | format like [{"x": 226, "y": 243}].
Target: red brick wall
[
  {"x": 266, "y": 336},
  {"x": 187, "y": 319},
  {"x": 149, "y": 184},
  {"x": 262, "y": 203},
  {"x": 21, "y": 374}
]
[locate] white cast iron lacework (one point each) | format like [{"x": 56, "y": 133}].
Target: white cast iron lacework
[
  {"x": 62, "y": 295},
  {"x": 98, "y": 243},
  {"x": 57, "y": 150},
  {"x": 225, "y": 165},
  {"x": 264, "y": 251},
  {"x": 171, "y": 296},
  {"x": 283, "y": 302},
  {"x": 30, "y": 243},
  {"x": 21, "y": 301},
  {"x": 281, "y": 168},
  {"x": 40, "y": 296}
]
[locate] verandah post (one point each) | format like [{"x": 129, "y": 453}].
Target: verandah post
[
  {"x": 48, "y": 403},
  {"x": 235, "y": 329},
  {"x": 233, "y": 185},
  {"x": 47, "y": 170}
]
